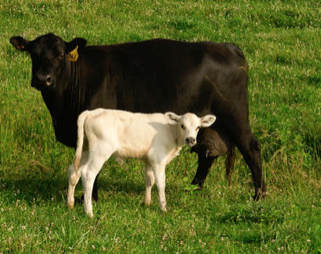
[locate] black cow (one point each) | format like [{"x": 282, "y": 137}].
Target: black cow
[{"x": 150, "y": 76}]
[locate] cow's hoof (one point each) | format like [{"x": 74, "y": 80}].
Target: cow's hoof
[
  {"x": 259, "y": 195},
  {"x": 199, "y": 184}
]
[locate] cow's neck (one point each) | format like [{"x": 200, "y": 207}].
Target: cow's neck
[
  {"x": 64, "y": 99},
  {"x": 64, "y": 103}
]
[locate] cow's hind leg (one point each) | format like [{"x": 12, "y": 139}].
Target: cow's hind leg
[
  {"x": 234, "y": 118},
  {"x": 251, "y": 151}
]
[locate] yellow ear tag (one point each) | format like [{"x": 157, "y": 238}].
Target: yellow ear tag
[{"x": 73, "y": 55}]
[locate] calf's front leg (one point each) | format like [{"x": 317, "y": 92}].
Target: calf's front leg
[{"x": 159, "y": 173}]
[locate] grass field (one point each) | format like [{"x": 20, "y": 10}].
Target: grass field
[{"x": 282, "y": 43}]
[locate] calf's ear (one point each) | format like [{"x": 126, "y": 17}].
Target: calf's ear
[
  {"x": 172, "y": 118},
  {"x": 20, "y": 43},
  {"x": 207, "y": 120},
  {"x": 77, "y": 42}
]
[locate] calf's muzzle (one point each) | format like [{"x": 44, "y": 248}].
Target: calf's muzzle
[{"x": 190, "y": 141}]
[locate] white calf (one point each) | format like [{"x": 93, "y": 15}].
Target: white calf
[{"x": 154, "y": 138}]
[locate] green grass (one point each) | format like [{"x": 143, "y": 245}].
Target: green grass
[{"x": 281, "y": 41}]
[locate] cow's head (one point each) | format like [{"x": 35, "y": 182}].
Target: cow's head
[
  {"x": 49, "y": 57},
  {"x": 188, "y": 126}
]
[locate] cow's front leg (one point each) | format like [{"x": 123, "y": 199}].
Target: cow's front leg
[
  {"x": 149, "y": 182},
  {"x": 159, "y": 173},
  {"x": 204, "y": 165}
]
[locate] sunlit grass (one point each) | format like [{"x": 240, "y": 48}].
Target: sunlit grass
[{"x": 281, "y": 41}]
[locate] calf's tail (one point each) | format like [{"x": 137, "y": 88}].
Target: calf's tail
[{"x": 80, "y": 140}]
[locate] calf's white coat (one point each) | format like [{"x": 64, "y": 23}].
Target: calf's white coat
[{"x": 154, "y": 138}]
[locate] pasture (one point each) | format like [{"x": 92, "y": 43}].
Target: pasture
[{"x": 281, "y": 42}]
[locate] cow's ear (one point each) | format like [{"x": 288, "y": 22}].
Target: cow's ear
[
  {"x": 20, "y": 43},
  {"x": 172, "y": 118},
  {"x": 207, "y": 120},
  {"x": 77, "y": 42}
]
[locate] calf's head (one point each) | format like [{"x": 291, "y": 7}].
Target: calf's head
[
  {"x": 188, "y": 126},
  {"x": 49, "y": 55}
]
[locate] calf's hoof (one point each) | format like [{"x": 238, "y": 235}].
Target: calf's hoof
[
  {"x": 71, "y": 205},
  {"x": 147, "y": 202},
  {"x": 90, "y": 215},
  {"x": 164, "y": 209}
]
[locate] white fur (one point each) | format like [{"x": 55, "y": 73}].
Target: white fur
[{"x": 154, "y": 138}]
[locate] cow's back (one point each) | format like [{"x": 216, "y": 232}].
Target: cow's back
[{"x": 162, "y": 75}]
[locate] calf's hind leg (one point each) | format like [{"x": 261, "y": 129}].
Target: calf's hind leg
[
  {"x": 74, "y": 176},
  {"x": 88, "y": 176},
  {"x": 73, "y": 180},
  {"x": 149, "y": 182}
]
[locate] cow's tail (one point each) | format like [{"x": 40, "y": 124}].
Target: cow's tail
[{"x": 80, "y": 140}]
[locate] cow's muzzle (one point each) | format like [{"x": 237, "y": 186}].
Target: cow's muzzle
[{"x": 42, "y": 81}]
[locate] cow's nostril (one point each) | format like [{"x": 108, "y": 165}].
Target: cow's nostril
[{"x": 48, "y": 80}]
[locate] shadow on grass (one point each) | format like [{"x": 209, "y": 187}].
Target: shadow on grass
[
  {"x": 253, "y": 215},
  {"x": 36, "y": 186}
]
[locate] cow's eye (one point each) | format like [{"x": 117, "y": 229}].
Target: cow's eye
[
  {"x": 61, "y": 56},
  {"x": 183, "y": 126}
]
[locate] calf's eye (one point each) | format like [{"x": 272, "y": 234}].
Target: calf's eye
[{"x": 183, "y": 126}]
